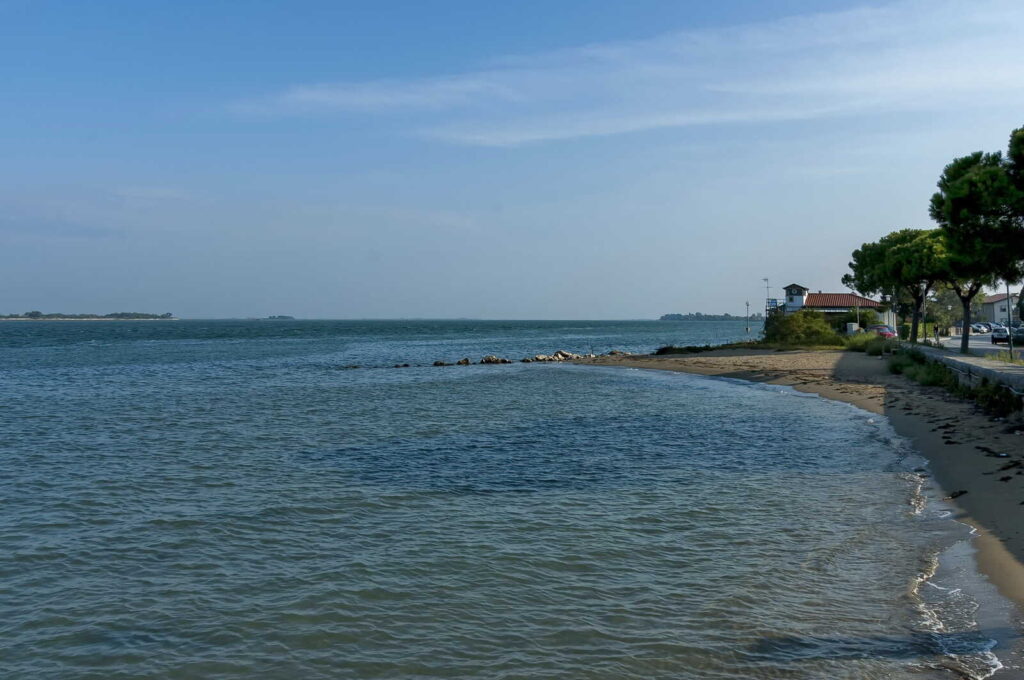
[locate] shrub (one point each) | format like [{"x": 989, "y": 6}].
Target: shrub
[
  {"x": 859, "y": 341},
  {"x": 803, "y": 328},
  {"x": 997, "y": 400}
]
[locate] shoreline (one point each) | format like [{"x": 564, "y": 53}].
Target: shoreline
[
  {"x": 96, "y": 318},
  {"x": 953, "y": 435}
]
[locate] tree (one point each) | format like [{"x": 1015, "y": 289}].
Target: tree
[
  {"x": 978, "y": 207},
  {"x": 909, "y": 261}
]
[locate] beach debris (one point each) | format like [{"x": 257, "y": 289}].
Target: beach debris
[
  {"x": 463, "y": 362},
  {"x": 957, "y": 494}
]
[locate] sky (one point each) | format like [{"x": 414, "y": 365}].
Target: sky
[{"x": 447, "y": 159}]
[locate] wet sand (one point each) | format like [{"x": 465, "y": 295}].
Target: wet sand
[{"x": 960, "y": 442}]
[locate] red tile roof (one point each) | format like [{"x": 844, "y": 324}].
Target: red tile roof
[
  {"x": 833, "y": 300},
  {"x": 995, "y": 298}
]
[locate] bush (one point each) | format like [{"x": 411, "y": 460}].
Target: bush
[
  {"x": 803, "y": 328},
  {"x": 859, "y": 341},
  {"x": 866, "y": 317},
  {"x": 873, "y": 345},
  {"x": 995, "y": 399},
  {"x": 879, "y": 346}
]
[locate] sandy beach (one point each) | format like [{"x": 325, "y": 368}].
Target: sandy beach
[{"x": 960, "y": 442}]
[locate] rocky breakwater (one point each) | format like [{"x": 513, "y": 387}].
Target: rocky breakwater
[{"x": 560, "y": 355}]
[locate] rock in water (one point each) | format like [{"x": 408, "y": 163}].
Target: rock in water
[{"x": 463, "y": 362}]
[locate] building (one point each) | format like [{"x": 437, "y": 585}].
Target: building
[
  {"x": 798, "y": 298},
  {"x": 996, "y": 307}
]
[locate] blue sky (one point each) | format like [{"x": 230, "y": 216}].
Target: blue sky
[{"x": 470, "y": 159}]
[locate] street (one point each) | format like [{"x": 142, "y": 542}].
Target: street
[{"x": 980, "y": 343}]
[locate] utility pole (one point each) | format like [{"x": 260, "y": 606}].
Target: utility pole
[
  {"x": 748, "y": 317},
  {"x": 767, "y": 296}
]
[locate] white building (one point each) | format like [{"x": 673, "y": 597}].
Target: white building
[
  {"x": 798, "y": 297},
  {"x": 996, "y": 307}
]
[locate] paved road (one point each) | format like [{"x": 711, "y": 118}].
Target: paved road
[{"x": 980, "y": 343}]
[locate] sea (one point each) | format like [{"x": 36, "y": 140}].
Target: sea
[{"x": 286, "y": 499}]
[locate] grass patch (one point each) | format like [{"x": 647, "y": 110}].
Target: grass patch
[
  {"x": 993, "y": 398},
  {"x": 1005, "y": 356},
  {"x": 870, "y": 344}
]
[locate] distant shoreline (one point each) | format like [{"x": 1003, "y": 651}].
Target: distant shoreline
[{"x": 91, "y": 318}]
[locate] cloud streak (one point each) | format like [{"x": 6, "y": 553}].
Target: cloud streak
[{"x": 916, "y": 55}]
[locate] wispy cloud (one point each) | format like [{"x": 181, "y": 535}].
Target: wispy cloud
[{"x": 908, "y": 55}]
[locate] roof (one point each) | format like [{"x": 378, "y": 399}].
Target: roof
[
  {"x": 795, "y": 285},
  {"x": 844, "y": 300},
  {"x": 997, "y": 298}
]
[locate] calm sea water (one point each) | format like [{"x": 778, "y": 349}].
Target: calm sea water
[{"x": 226, "y": 500}]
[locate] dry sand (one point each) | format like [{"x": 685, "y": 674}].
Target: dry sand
[{"x": 959, "y": 440}]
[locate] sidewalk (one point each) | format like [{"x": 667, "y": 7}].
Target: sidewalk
[{"x": 975, "y": 367}]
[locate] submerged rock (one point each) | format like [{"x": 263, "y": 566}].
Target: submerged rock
[
  {"x": 441, "y": 363},
  {"x": 492, "y": 359},
  {"x": 463, "y": 362}
]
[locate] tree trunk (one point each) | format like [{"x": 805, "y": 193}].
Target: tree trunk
[
  {"x": 915, "y": 319},
  {"x": 965, "y": 338}
]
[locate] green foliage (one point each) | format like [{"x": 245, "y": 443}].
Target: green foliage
[
  {"x": 925, "y": 331},
  {"x": 859, "y": 341},
  {"x": 996, "y": 399},
  {"x": 1005, "y": 356},
  {"x": 993, "y": 398},
  {"x": 871, "y": 344},
  {"x": 909, "y": 261},
  {"x": 868, "y": 317},
  {"x": 802, "y": 328},
  {"x": 980, "y": 208},
  {"x": 879, "y": 346}
]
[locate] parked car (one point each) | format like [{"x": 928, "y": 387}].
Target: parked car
[
  {"x": 1000, "y": 335},
  {"x": 881, "y": 330},
  {"x": 980, "y": 327}
]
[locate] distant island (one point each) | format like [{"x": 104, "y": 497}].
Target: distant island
[
  {"x": 116, "y": 316},
  {"x": 756, "y": 316},
  {"x": 281, "y": 317}
]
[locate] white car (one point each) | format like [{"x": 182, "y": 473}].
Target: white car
[{"x": 1000, "y": 334}]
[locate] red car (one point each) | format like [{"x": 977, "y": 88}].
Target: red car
[{"x": 882, "y": 330}]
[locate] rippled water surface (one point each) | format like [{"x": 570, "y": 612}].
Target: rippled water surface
[{"x": 228, "y": 500}]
